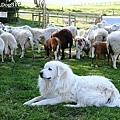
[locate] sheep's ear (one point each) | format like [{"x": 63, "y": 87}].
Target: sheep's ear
[{"x": 61, "y": 70}]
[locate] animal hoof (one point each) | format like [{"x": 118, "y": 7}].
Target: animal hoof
[
  {"x": 92, "y": 65},
  {"x": 96, "y": 66}
]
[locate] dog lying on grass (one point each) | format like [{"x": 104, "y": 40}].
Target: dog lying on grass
[{"x": 57, "y": 83}]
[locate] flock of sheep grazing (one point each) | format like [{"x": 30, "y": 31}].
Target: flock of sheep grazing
[{"x": 101, "y": 38}]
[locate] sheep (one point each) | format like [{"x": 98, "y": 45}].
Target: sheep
[
  {"x": 108, "y": 27},
  {"x": 47, "y": 33},
  {"x": 113, "y": 46},
  {"x": 24, "y": 38},
  {"x": 99, "y": 34},
  {"x": 98, "y": 48},
  {"x": 82, "y": 45},
  {"x": 66, "y": 40},
  {"x": 52, "y": 44},
  {"x": 10, "y": 43},
  {"x": 2, "y": 46},
  {"x": 102, "y": 24},
  {"x": 81, "y": 33},
  {"x": 112, "y": 28},
  {"x": 37, "y": 33}
]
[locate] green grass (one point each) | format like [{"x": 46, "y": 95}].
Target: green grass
[{"x": 18, "y": 83}]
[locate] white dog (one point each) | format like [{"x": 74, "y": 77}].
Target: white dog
[{"x": 57, "y": 83}]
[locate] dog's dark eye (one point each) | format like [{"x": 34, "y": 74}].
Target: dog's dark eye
[{"x": 49, "y": 69}]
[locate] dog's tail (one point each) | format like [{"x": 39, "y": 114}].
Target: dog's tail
[{"x": 114, "y": 100}]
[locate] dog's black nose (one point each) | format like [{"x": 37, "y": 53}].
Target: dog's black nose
[{"x": 41, "y": 74}]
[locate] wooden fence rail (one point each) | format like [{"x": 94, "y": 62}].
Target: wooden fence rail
[{"x": 55, "y": 17}]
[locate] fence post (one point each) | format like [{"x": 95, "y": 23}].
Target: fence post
[
  {"x": 48, "y": 18},
  {"x": 69, "y": 19},
  {"x": 86, "y": 19},
  {"x": 75, "y": 20},
  {"x": 44, "y": 14}
]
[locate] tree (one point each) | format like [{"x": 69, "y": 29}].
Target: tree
[{"x": 11, "y": 7}]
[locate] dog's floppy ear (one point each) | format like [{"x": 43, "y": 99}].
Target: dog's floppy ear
[{"x": 61, "y": 70}]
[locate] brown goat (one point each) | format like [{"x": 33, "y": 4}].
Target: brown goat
[
  {"x": 66, "y": 40},
  {"x": 52, "y": 44},
  {"x": 99, "y": 48}
]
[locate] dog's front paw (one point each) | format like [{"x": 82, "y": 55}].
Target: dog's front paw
[
  {"x": 34, "y": 104},
  {"x": 27, "y": 103}
]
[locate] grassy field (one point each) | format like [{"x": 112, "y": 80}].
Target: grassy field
[{"x": 18, "y": 83}]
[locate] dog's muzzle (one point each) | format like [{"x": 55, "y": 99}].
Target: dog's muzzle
[{"x": 41, "y": 74}]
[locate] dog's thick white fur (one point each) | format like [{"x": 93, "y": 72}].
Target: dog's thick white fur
[{"x": 57, "y": 83}]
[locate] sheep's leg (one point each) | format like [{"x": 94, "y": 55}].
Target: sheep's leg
[
  {"x": 15, "y": 51},
  {"x": 12, "y": 56},
  {"x": 6, "y": 49},
  {"x": 59, "y": 56},
  {"x": 108, "y": 58},
  {"x": 2, "y": 57},
  {"x": 97, "y": 57},
  {"x": 32, "y": 45},
  {"x": 22, "y": 54},
  {"x": 114, "y": 57},
  {"x": 92, "y": 55},
  {"x": 38, "y": 48},
  {"x": 78, "y": 54},
  {"x": 70, "y": 53},
  {"x": 38, "y": 45},
  {"x": 56, "y": 52},
  {"x": 32, "y": 51},
  {"x": 82, "y": 54}
]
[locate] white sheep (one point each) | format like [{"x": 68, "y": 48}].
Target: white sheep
[
  {"x": 81, "y": 32},
  {"x": 48, "y": 33},
  {"x": 24, "y": 38},
  {"x": 66, "y": 21},
  {"x": 41, "y": 35},
  {"x": 100, "y": 34},
  {"x": 10, "y": 43},
  {"x": 113, "y": 46},
  {"x": 102, "y": 24},
  {"x": 2, "y": 46},
  {"x": 108, "y": 27},
  {"x": 37, "y": 33},
  {"x": 112, "y": 28}
]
